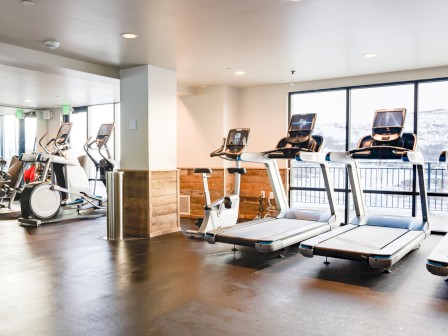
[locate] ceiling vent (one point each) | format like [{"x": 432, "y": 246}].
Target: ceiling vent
[{"x": 53, "y": 45}]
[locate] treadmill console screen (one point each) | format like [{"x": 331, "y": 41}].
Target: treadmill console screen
[
  {"x": 236, "y": 136},
  {"x": 302, "y": 122},
  {"x": 389, "y": 119}
]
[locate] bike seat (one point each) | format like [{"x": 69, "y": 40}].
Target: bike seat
[
  {"x": 240, "y": 171},
  {"x": 202, "y": 171}
]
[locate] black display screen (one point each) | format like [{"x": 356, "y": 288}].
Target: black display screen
[
  {"x": 389, "y": 119},
  {"x": 302, "y": 122},
  {"x": 236, "y": 136},
  {"x": 105, "y": 129},
  {"x": 65, "y": 129}
]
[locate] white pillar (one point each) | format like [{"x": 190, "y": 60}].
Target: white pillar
[
  {"x": 148, "y": 118},
  {"x": 148, "y": 125}
]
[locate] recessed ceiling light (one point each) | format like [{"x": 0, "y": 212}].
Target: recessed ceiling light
[
  {"x": 27, "y": 100},
  {"x": 129, "y": 35},
  {"x": 28, "y": 3},
  {"x": 239, "y": 73},
  {"x": 369, "y": 55},
  {"x": 80, "y": 93}
]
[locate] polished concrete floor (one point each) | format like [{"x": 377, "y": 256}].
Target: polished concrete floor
[{"x": 64, "y": 279}]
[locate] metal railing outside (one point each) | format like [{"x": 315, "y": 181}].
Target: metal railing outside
[{"x": 386, "y": 185}]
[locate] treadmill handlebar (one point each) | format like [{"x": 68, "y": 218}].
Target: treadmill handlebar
[
  {"x": 415, "y": 158},
  {"x": 341, "y": 157},
  {"x": 313, "y": 157}
]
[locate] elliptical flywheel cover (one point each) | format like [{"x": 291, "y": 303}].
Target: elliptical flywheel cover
[{"x": 40, "y": 201}]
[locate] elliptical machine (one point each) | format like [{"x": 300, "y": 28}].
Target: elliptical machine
[
  {"x": 224, "y": 211},
  {"x": 106, "y": 164},
  {"x": 5, "y": 180},
  {"x": 66, "y": 195}
]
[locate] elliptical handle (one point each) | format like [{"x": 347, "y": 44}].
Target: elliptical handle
[
  {"x": 86, "y": 149},
  {"x": 43, "y": 146}
]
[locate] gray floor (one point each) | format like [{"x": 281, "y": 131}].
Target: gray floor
[{"x": 63, "y": 279}]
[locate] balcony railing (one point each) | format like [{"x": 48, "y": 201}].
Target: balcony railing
[{"x": 385, "y": 185}]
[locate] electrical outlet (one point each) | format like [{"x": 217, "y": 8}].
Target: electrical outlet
[
  {"x": 271, "y": 195},
  {"x": 263, "y": 194}
]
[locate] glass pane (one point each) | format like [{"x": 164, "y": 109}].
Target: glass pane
[
  {"x": 11, "y": 136},
  {"x": 330, "y": 107},
  {"x": 364, "y": 102},
  {"x": 433, "y": 139},
  {"x": 78, "y": 135},
  {"x": 30, "y": 134},
  {"x": 379, "y": 175},
  {"x": 98, "y": 115}
]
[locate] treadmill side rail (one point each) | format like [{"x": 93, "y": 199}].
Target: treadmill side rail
[
  {"x": 392, "y": 253},
  {"x": 306, "y": 247},
  {"x": 437, "y": 262},
  {"x": 303, "y": 233}
]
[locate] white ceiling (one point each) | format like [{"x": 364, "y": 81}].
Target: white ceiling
[{"x": 200, "y": 39}]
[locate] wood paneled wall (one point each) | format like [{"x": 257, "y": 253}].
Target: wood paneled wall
[
  {"x": 252, "y": 184},
  {"x": 151, "y": 202}
]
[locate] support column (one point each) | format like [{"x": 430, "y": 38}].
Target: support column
[{"x": 148, "y": 151}]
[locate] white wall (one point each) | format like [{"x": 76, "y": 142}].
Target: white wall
[
  {"x": 200, "y": 128},
  {"x": 148, "y": 95},
  {"x": 50, "y": 126},
  {"x": 162, "y": 119},
  {"x": 134, "y": 106}
]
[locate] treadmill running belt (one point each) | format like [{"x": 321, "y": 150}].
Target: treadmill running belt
[
  {"x": 270, "y": 231},
  {"x": 363, "y": 239}
]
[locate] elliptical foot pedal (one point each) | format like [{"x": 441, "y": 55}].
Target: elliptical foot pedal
[{"x": 32, "y": 222}]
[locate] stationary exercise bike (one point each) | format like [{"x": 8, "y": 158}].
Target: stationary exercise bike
[
  {"x": 106, "y": 164},
  {"x": 66, "y": 195},
  {"x": 224, "y": 211}
]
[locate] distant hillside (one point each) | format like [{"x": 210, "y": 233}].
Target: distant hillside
[{"x": 432, "y": 133}]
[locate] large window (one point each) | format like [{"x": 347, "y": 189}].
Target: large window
[
  {"x": 433, "y": 139},
  {"x": 78, "y": 136},
  {"x": 387, "y": 186},
  {"x": 378, "y": 175},
  {"x": 86, "y": 123},
  {"x": 331, "y": 110},
  {"x": 10, "y": 132},
  {"x": 30, "y": 134}
]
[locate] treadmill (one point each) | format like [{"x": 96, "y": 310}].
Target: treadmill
[
  {"x": 380, "y": 240},
  {"x": 291, "y": 226},
  {"x": 437, "y": 262}
]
